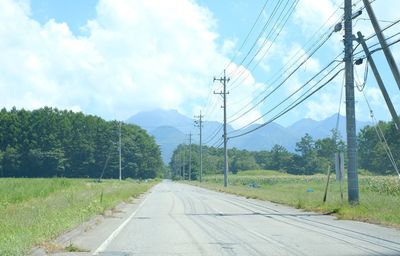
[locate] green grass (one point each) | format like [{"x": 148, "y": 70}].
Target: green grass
[
  {"x": 260, "y": 173},
  {"x": 34, "y": 211},
  {"x": 379, "y": 196}
]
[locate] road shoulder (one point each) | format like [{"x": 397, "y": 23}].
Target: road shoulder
[{"x": 86, "y": 238}]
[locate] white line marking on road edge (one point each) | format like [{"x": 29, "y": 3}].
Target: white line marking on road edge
[{"x": 104, "y": 245}]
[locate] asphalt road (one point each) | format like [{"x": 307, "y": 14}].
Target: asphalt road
[{"x": 177, "y": 219}]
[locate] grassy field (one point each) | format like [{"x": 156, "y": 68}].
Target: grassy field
[
  {"x": 36, "y": 210},
  {"x": 379, "y": 196}
]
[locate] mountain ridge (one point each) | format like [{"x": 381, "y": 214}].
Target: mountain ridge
[{"x": 171, "y": 128}]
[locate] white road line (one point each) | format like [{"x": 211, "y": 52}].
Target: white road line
[{"x": 104, "y": 245}]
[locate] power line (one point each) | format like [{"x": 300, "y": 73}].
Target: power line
[
  {"x": 260, "y": 34},
  {"x": 295, "y": 92},
  {"x": 285, "y": 19},
  {"x": 272, "y": 29},
  {"x": 287, "y": 109},
  {"x": 374, "y": 34},
  {"x": 248, "y": 35},
  {"x": 381, "y": 137},
  {"x": 379, "y": 80},
  {"x": 284, "y": 80},
  {"x": 285, "y": 68},
  {"x": 288, "y": 66},
  {"x": 218, "y": 142},
  {"x": 214, "y": 135}
]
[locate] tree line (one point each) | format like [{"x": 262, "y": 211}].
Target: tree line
[
  {"x": 310, "y": 156},
  {"x": 371, "y": 147},
  {"x": 57, "y": 143}
]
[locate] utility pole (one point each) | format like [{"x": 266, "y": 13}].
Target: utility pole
[
  {"x": 120, "y": 152},
  {"x": 181, "y": 167},
  {"x": 352, "y": 176},
  {"x": 378, "y": 78},
  {"x": 382, "y": 41},
  {"x": 199, "y": 123},
  {"x": 224, "y": 80},
  {"x": 184, "y": 163},
  {"x": 190, "y": 156}
]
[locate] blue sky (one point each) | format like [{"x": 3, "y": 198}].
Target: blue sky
[{"x": 116, "y": 58}]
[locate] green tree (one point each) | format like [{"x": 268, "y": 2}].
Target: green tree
[
  {"x": 308, "y": 163},
  {"x": 280, "y": 158},
  {"x": 48, "y": 142}
]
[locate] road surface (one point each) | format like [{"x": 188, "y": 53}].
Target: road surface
[{"x": 178, "y": 219}]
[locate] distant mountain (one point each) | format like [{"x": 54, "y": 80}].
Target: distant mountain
[
  {"x": 170, "y": 128},
  {"x": 264, "y": 138},
  {"x": 168, "y": 138},
  {"x": 151, "y": 120},
  {"x": 321, "y": 129}
]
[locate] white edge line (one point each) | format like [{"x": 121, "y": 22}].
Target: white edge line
[{"x": 104, "y": 245}]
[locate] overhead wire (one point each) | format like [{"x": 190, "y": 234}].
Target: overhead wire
[
  {"x": 263, "y": 99},
  {"x": 283, "y": 81},
  {"x": 295, "y": 92},
  {"x": 207, "y": 113},
  {"x": 266, "y": 25},
  {"x": 306, "y": 46},
  {"x": 248, "y": 35},
  {"x": 285, "y": 19},
  {"x": 259, "y": 35},
  {"x": 267, "y": 37},
  {"x": 260, "y": 126},
  {"x": 340, "y": 104},
  {"x": 381, "y": 137},
  {"x": 288, "y": 108},
  {"x": 308, "y": 53},
  {"x": 212, "y": 137}
]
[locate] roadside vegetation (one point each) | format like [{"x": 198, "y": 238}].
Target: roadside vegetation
[
  {"x": 58, "y": 143},
  {"x": 34, "y": 211},
  {"x": 311, "y": 156},
  {"x": 379, "y": 195},
  {"x": 300, "y": 177}
]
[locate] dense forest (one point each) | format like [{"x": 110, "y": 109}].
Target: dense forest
[
  {"x": 311, "y": 156},
  {"x": 52, "y": 143}
]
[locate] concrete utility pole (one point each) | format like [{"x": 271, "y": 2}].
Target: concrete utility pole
[
  {"x": 382, "y": 41},
  {"x": 184, "y": 163},
  {"x": 199, "y": 123},
  {"x": 120, "y": 152},
  {"x": 352, "y": 176},
  {"x": 181, "y": 167},
  {"x": 378, "y": 78},
  {"x": 190, "y": 156},
  {"x": 224, "y": 80}
]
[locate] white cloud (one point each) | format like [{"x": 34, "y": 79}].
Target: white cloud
[
  {"x": 324, "y": 106},
  {"x": 137, "y": 55},
  {"x": 310, "y": 14},
  {"x": 228, "y": 46},
  {"x": 374, "y": 96}
]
